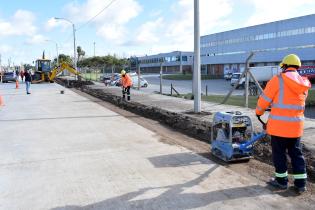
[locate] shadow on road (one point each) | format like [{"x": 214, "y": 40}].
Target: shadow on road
[{"x": 178, "y": 196}]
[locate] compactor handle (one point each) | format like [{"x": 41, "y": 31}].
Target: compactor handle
[{"x": 262, "y": 122}]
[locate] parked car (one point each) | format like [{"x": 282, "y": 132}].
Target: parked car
[
  {"x": 228, "y": 76},
  {"x": 234, "y": 79},
  {"x": 8, "y": 77},
  {"x": 143, "y": 82}
]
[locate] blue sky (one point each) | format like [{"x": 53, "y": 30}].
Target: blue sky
[{"x": 127, "y": 27}]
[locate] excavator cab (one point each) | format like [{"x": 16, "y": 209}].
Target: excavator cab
[
  {"x": 43, "y": 65},
  {"x": 42, "y": 70}
]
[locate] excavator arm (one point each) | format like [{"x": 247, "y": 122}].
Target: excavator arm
[{"x": 61, "y": 68}]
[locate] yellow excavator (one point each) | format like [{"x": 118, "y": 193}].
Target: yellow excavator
[{"x": 44, "y": 72}]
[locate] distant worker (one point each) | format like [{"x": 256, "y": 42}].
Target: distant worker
[
  {"x": 126, "y": 83},
  {"x": 28, "y": 80},
  {"x": 286, "y": 94},
  {"x": 22, "y": 75}
]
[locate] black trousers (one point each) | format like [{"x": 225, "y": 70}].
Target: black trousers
[
  {"x": 126, "y": 90},
  {"x": 280, "y": 147}
]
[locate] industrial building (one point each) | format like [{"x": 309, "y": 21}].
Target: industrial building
[
  {"x": 227, "y": 51},
  {"x": 172, "y": 62}
]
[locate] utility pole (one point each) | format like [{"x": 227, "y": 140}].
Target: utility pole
[
  {"x": 94, "y": 48},
  {"x": 196, "y": 78},
  {"x": 74, "y": 41},
  {"x": 161, "y": 77}
]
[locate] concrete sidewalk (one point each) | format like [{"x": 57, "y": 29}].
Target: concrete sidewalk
[{"x": 67, "y": 152}]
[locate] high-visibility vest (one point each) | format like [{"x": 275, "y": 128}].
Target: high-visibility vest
[
  {"x": 286, "y": 95},
  {"x": 126, "y": 80}
]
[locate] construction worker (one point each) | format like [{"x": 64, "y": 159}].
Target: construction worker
[
  {"x": 126, "y": 83},
  {"x": 28, "y": 80},
  {"x": 286, "y": 94}
]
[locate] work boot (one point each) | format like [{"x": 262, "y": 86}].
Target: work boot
[
  {"x": 275, "y": 183},
  {"x": 128, "y": 98},
  {"x": 300, "y": 190}
]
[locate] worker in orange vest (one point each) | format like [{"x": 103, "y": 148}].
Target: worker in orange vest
[
  {"x": 126, "y": 83},
  {"x": 286, "y": 94}
]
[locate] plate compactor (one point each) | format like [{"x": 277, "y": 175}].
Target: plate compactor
[{"x": 232, "y": 136}]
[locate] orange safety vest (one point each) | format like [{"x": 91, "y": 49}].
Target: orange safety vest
[
  {"x": 126, "y": 80},
  {"x": 286, "y": 94}
]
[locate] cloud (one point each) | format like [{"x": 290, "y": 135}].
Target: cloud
[
  {"x": 5, "y": 48},
  {"x": 53, "y": 23},
  {"x": 21, "y": 23},
  {"x": 271, "y": 10},
  {"x": 110, "y": 24},
  {"x": 36, "y": 39},
  {"x": 176, "y": 32}
]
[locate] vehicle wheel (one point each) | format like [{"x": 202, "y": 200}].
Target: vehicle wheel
[{"x": 145, "y": 85}]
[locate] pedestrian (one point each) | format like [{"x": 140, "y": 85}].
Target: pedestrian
[
  {"x": 286, "y": 94},
  {"x": 22, "y": 75},
  {"x": 17, "y": 74},
  {"x": 28, "y": 80},
  {"x": 126, "y": 83}
]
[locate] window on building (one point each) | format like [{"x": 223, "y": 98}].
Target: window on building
[{"x": 184, "y": 58}]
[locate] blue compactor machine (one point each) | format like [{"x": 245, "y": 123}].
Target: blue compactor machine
[{"x": 233, "y": 136}]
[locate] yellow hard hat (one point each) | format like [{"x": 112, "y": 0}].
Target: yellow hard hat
[
  {"x": 291, "y": 60},
  {"x": 123, "y": 72}
]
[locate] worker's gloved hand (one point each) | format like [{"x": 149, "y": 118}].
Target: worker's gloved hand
[{"x": 265, "y": 126}]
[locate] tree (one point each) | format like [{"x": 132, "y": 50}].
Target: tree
[
  {"x": 104, "y": 61},
  {"x": 27, "y": 66},
  {"x": 62, "y": 59},
  {"x": 80, "y": 52}
]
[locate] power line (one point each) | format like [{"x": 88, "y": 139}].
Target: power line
[{"x": 90, "y": 20}]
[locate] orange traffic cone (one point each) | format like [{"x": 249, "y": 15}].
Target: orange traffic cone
[
  {"x": 16, "y": 84},
  {"x": 1, "y": 101}
]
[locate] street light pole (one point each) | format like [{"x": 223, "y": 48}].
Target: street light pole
[
  {"x": 74, "y": 48},
  {"x": 196, "y": 79},
  {"x": 74, "y": 41},
  {"x": 94, "y": 48}
]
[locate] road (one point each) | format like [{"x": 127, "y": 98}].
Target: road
[
  {"x": 215, "y": 87},
  {"x": 64, "y": 151}
]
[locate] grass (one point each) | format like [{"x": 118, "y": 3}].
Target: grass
[
  {"x": 310, "y": 101},
  {"x": 188, "y": 77},
  {"x": 91, "y": 76},
  {"x": 233, "y": 100},
  {"x": 240, "y": 100}
]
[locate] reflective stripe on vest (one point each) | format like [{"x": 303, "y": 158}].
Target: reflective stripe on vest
[
  {"x": 259, "y": 108},
  {"x": 281, "y": 175},
  {"x": 300, "y": 176},
  {"x": 283, "y": 118},
  {"x": 280, "y": 104},
  {"x": 266, "y": 98}
]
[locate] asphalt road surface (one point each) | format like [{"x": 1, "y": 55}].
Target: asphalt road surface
[{"x": 215, "y": 87}]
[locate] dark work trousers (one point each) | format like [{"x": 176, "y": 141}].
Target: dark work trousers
[
  {"x": 280, "y": 146},
  {"x": 126, "y": 90}
]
